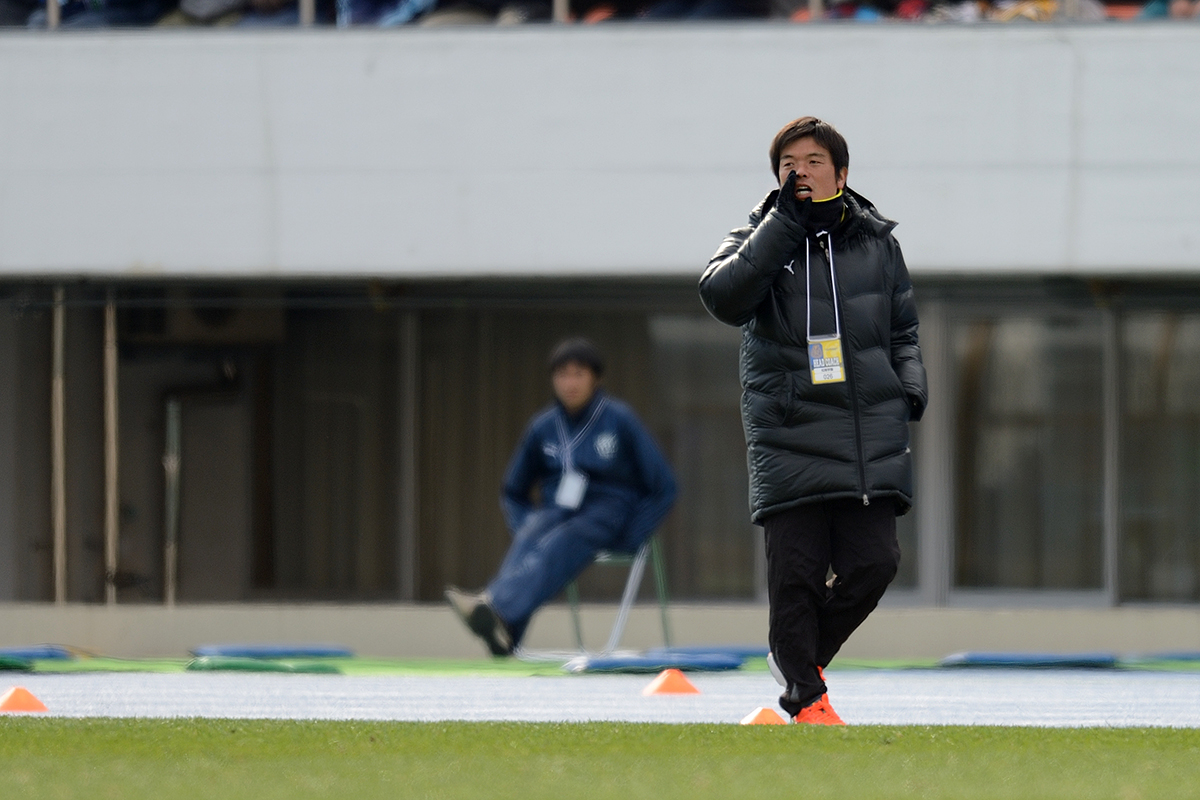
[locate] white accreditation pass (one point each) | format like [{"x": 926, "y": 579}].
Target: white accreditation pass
[
  {"x": 572, "y": 486},
  {"x": 825, "y": 361}
]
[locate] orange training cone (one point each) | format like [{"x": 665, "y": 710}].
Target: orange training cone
[
  {"x": 763, "y": 716},
  {"x": 670, "y": 681},
  {"x": 20, "y": 699}
]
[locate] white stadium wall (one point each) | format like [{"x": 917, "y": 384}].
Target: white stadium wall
[{"x": 607, "y": 150}]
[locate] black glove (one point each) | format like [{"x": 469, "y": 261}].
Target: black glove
[
  {"x": 916, "y": 408},
  {"x": 791, "y": 208}
]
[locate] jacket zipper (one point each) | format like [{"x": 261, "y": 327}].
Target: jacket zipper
[{"x": 846, "y": 354}]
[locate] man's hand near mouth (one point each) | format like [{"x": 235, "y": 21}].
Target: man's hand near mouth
[{"x": 791, "y": 204}]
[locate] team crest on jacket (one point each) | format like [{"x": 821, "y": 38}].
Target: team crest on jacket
[{"x": 606, "y": 445}]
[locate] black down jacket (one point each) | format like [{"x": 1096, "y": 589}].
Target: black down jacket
[{"x": 808, "y": 442}]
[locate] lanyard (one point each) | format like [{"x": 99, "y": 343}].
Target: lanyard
[
  {"x": 572, "y": 487},
  {"x": 837, "y": 318},
  {"x": 825, "y": 360},
  {"x": 566, "y": 446}
]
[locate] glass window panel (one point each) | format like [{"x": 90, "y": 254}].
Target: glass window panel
[
  {"x": 1160, "y": 457},
  {"x": 1029, "y": 452},
  {"x": 710, "y": 540}
]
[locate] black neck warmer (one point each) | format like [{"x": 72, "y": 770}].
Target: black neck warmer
[{"x": 826, "y": 214}]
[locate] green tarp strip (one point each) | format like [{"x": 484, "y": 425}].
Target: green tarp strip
[{"x": 12, "y": 664}]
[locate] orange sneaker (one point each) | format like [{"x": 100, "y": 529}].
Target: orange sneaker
[{"x": 818, "y": 713}]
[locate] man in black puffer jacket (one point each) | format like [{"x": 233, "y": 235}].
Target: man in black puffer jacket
[{"x": 831, "y": 375}]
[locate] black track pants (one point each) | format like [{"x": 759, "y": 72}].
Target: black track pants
[{"x": 810, "y": 620}]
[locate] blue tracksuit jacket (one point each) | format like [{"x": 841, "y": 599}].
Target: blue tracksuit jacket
[{"x": 630, "y": 485}]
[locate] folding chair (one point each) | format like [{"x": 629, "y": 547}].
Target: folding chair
[{"x": 637, "y": 565}]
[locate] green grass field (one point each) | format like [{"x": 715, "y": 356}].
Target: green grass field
[{"x": 230, "y": 759}]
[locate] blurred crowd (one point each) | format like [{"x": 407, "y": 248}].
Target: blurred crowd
[{"x": 390, "y": 13}]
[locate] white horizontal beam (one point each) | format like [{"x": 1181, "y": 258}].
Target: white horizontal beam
[{"x": 571, "y": 150}]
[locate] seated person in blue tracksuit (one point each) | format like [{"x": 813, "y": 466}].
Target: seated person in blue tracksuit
[{"x": 603, "y": 485}]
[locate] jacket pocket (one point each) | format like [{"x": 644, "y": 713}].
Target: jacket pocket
[
  {"x": 762, "y": 410},
  {"x": 907, "y": 450}
]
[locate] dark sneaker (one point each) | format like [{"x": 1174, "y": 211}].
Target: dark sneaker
[
  {"x": 483, "y": 621},
  {"x": 462, "y": 602},
  {"x": 487, "y": 625}
]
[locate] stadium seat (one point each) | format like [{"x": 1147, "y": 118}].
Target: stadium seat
[{"x": 637, "y": 566}]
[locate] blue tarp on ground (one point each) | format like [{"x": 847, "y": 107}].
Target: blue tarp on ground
[
  {"x": 619, "y": 662},
  {"x": 738, "y": 650},
  {"x": 38, "y": 652},
  {"x": 1032, "y": 660}
]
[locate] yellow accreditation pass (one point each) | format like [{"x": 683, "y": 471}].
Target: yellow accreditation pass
[{"x": 825, "y": 360}]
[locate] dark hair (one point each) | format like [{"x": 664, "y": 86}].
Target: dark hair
[
  {"x": 822, "y": 133},
  {"x": 579, "y": 350}
]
